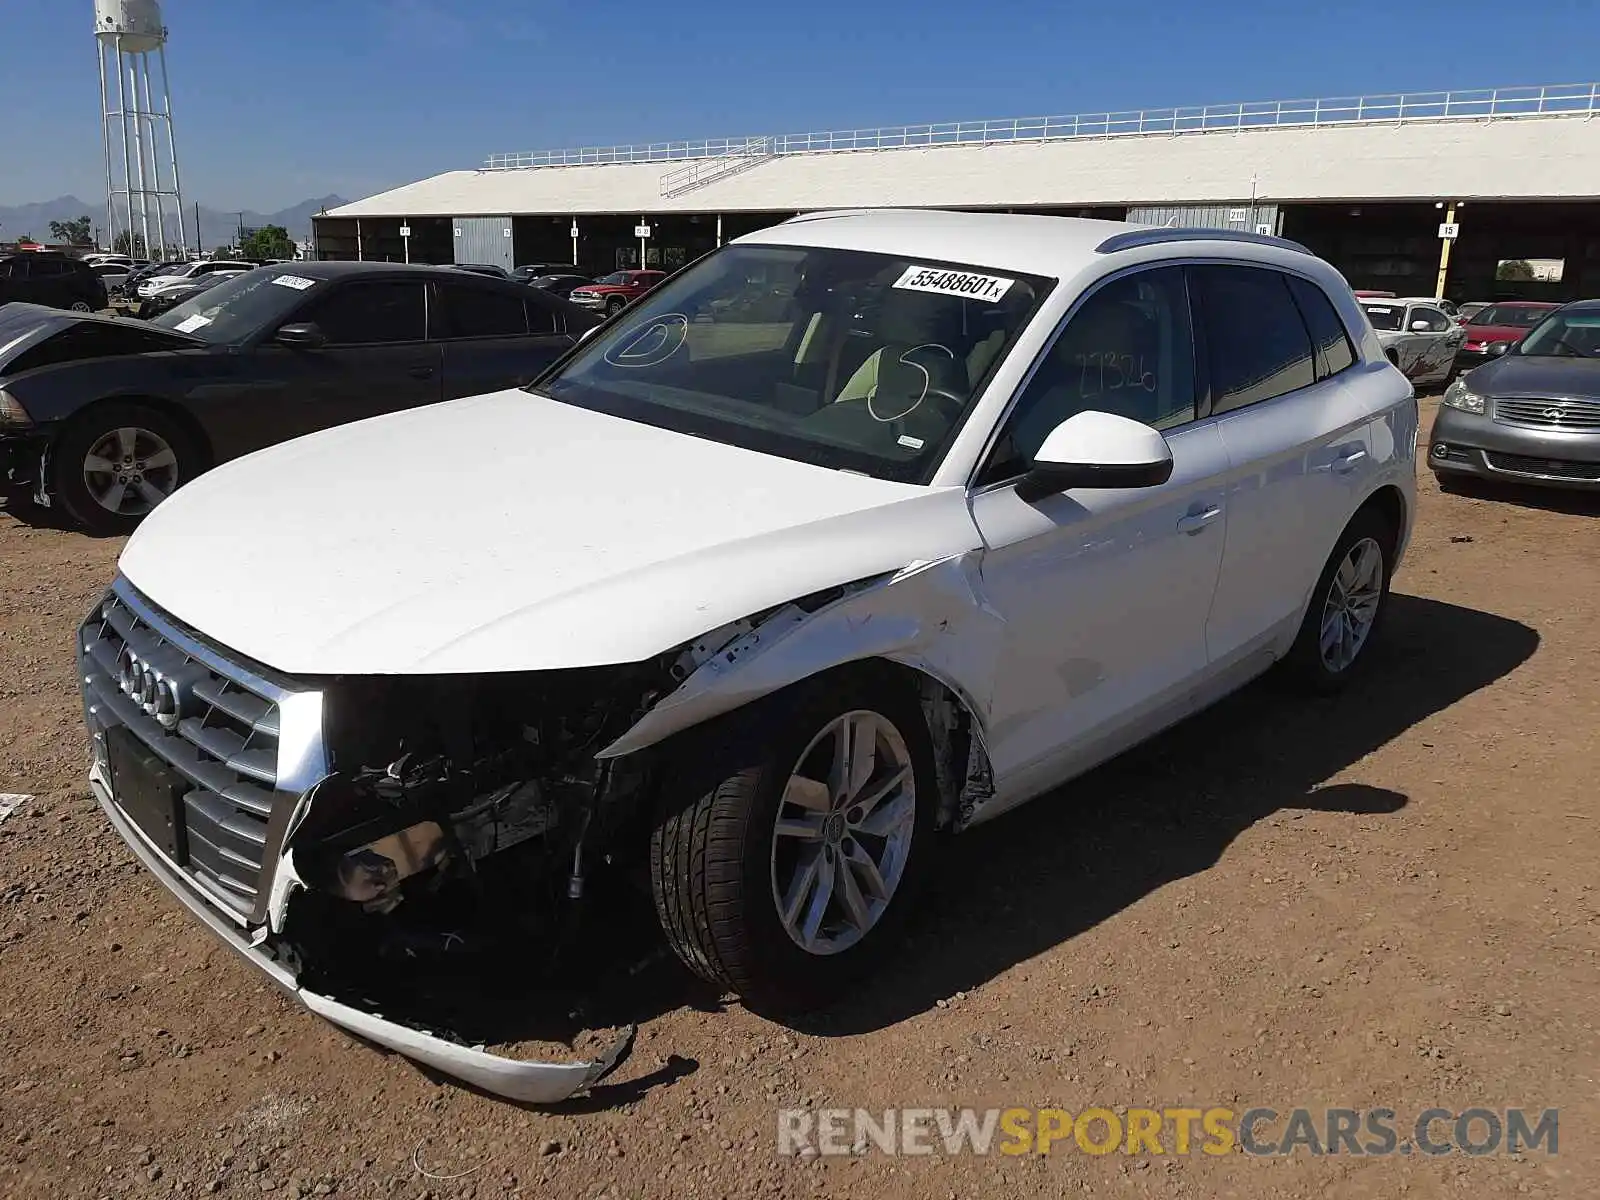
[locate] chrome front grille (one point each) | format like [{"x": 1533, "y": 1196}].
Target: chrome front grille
[
  {"x": 1580, "y": 416},
  {"x": 1543, "y": 468},
  {"x": 216, "y": 727}
]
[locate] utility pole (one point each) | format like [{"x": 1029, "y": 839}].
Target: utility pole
[
  {"x": 1448, "y": 232},
  {"x": 199, "y": 241}
]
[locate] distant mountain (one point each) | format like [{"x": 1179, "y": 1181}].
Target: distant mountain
[{"x": 217, "y": 228}]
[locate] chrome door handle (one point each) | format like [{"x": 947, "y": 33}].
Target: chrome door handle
[
  {"x": 1194, "y": 522},
  {"x": 1346, "y": 463}
]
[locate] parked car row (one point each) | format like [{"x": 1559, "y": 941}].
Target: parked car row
[{"x": 1432, "y": 344}]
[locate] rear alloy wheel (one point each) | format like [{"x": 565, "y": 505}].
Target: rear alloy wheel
[
  {"x": 1347, "y": 604},
  {"x": 790, "y": 843},
  {"x": 116, "y": 463}
]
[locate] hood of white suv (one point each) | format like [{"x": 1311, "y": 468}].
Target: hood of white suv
[{"x": 511, "y": 532}]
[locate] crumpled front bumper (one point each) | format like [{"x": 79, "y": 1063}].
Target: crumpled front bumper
[{"x": 525, "y": 1082}]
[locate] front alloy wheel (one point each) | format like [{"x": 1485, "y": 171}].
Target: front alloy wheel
[
  {"x": 843, "y": 832},
  {"x": 129, "y": 471},
  {"x": 792, "y": 835},
  {"x": 115, "y": 462}
]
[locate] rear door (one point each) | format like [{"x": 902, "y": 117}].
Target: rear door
[
  {"x": 376, "y": 360},
  {"x": 1296, "y": 435},
  {"x": 492, "y": 338}
]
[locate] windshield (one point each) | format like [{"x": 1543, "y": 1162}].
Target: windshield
[
  {"x": 1521, "y": 316},
  {"x": 1386, "y": 317},
  {"x": 1564, "y": 335},
  {"x": 616, "y": 277},
  {"x": 240, "y": 305},
  {"x": 840, "y": 358}
]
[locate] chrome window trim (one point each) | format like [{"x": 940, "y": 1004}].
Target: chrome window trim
[{"x": 973, "y": 488}]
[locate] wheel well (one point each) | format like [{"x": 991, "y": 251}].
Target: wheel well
[
  {"x": 1390, "y": 505},
  {"x": 961, "y": 761},
  {"x": 173, "y": 412}
]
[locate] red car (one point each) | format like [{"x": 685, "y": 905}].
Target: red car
[
  {"x": 612, "y": 292},
  {"x": 1504, "y": 323}
]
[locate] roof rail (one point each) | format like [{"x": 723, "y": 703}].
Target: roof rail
[{"x": 1160, "y": 236}]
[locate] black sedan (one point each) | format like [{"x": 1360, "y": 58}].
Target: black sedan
[
  {"x": 106, "y": 416},
  {"x": 559, "y": 285},
  {"x": 1531, "y": 414}
]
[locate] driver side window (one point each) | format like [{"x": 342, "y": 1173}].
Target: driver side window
[
  {"x": 1129, "y": 350},
  {"x": 1437, "y": 321}
]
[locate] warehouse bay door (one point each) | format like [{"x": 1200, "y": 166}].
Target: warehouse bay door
[
  {"x": 1239, "y": 214},
  {"x": 484, "y": 240}
]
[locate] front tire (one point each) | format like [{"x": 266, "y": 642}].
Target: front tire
[
  {"x": 116, "y": 462},
  {"x": 788, "y": 849},
  {"x": 1347, "y": 605},
  {"x": 615, "y": 305}
]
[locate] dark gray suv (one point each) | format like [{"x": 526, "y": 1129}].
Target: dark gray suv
[{"x": 39, "y": 277}]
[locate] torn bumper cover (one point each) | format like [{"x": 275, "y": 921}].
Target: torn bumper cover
[{"x": 526, "y": 1082}]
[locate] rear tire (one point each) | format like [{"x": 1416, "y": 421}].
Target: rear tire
[
  {"x": 149, "y": 455},
  {"x": 1347, "y": 606},
  {"x": 734, "y": 845}
]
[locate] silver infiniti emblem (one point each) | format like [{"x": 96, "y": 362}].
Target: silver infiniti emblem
[{"x": 1554, "y": 414}]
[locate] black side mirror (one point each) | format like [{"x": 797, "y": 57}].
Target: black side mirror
[{"x": 303, "y": 334}]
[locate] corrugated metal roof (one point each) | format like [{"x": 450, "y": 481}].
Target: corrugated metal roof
[{"x": 1531, "y": 158}]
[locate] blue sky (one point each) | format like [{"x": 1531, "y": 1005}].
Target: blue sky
[{"x": 278, "y": 102}]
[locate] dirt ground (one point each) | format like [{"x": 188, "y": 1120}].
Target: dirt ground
[{"x": 1383, "y": 900}]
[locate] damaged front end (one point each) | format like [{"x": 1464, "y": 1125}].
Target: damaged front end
[{"x": 405, "y": 855}]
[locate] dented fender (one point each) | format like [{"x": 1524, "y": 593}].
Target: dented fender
[{"x": 930, "y": 616}]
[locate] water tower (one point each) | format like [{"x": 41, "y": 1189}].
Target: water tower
[{"x": 143, "y": 198}]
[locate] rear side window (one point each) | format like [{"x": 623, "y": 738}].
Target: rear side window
[
  {"x": 474, "y": 312},
  {"x": 1257, "y": 345},
  {"x": 1328, "y": 334}
]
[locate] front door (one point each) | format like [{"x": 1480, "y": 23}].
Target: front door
[
  {"x": 1103, "y": 593},
  {"x": 376, "y": 359},
  {"x": 1436, "y": 345}
]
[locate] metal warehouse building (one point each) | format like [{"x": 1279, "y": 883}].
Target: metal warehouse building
[{"x": 1375, "y": 184}]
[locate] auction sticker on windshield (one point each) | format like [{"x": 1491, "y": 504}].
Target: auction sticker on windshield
[
  {"x": 954, "y": 283},
  {"x": 298, "y": 282},
  {"x": 190, "y": 324}
]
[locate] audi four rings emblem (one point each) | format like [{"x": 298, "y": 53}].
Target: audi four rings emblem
[{"x": 160, "y": 694}]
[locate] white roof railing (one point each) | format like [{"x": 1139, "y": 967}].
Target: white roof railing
[{"x": 1403, "y": 108}]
